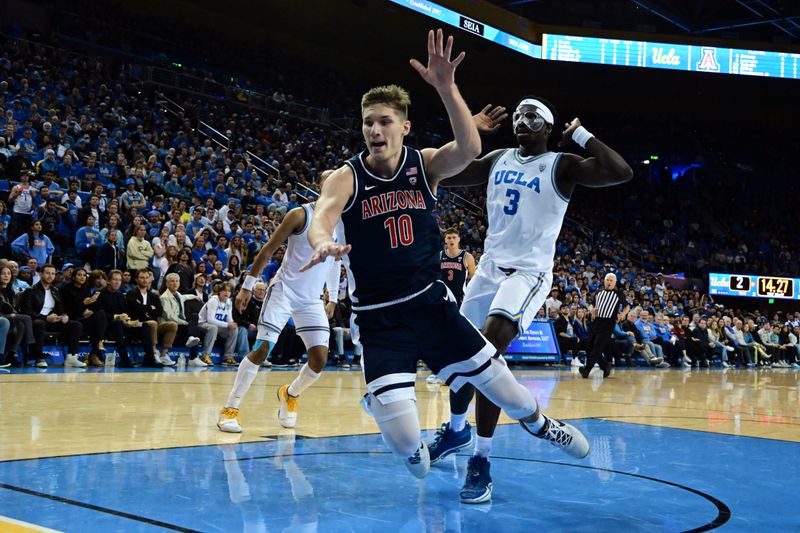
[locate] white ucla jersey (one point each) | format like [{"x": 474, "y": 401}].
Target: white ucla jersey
[
  {"x": 307, "y": 286},
  {"x": 526, "y": 211}
]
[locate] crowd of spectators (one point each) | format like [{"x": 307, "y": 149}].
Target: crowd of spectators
[{"x": 106, "y": 194}]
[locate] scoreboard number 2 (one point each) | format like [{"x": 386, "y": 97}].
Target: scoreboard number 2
[{"x": 740, "y": 283}]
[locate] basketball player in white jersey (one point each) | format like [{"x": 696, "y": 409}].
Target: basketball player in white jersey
[
  {"x": 291, "y": 294},
  {"x": 528, "y": 191}
]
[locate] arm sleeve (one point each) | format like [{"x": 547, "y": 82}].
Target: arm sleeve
[
  {"x": 333, "y": 281},
  {"x": 20, "y": 244},
  {"x": 80, "y": 239}
]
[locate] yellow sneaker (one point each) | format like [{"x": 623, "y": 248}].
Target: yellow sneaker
[
  {"x": 229, "y": 420},
  {"x": 287, "y": 412},
  {"x": 207, "y": 360}
]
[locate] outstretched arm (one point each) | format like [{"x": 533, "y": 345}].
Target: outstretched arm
[
  {"x": 337, "y": 190},
  {"x": 476, "y": 173},
  {"x": 292, "y": 222},
  {"x": 604, "y": 168},
  {"x": 454, "y": 156}
]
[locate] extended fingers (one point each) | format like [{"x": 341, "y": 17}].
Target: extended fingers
[
  {"x": 439, "y": 42},
  {"x": 419, "y": 67},
  {"x": 449, "y": 48},
  {"x": 431, "y": 43},
  {"x": 459, "y": 58}
]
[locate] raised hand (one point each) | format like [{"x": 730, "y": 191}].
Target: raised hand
[
  {"x": 489, "y": 120},
  {"x": 440, "y": 71},
  {"x": 242, "y": 300},
  {"x": 566, "y": 137},
  {"x": 323, "y": 251}
]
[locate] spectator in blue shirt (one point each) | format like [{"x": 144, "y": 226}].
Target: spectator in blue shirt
[
  {"x": 88, "y": 240},
  {"x": 34, "y": 244}
]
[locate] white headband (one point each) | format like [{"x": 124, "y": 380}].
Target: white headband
[{"x": 542, "y": 109}]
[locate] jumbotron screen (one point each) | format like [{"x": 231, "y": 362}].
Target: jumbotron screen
[
  {"x": 691, "y": 58},
  {"x": 754, "y": 286}
]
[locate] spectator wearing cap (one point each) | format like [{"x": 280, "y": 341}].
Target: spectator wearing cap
[
  {"x": 22, "y": 198},
  {"x": 49, "y": 162},
  {"x": 132, "y": 198},
  {"x": 552, "y": 302}
]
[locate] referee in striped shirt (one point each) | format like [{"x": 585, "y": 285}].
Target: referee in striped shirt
[{"x": 609, "y": 307}]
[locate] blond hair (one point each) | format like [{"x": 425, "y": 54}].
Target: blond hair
[{"x": 393, "y": 96}]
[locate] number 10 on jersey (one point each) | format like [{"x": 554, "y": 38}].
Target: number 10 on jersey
[{"x": 401, "y": 231}]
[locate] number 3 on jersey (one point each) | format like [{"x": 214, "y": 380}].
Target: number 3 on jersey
[
  {"x": 400, "y": 229},
  {"x": 513, "y": 203}
]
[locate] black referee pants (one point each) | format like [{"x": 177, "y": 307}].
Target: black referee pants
[{"x": 599, "y": 340}]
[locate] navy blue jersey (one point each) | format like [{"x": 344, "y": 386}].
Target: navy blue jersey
[
  {"x": 454, "y": 273},
  {"x": 390, "y": 224}
]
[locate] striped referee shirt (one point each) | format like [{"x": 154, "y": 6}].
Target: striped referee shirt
[{"x": 608, "y": 303}]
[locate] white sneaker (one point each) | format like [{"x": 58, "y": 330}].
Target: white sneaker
[
  {"x": 196, "y": 362},
  {"x": 166, "y": 360},
  {"x": 576, "y": 362},
  {"x": 72, "y": 361},
  {"x": 725, "y": 364},
  {"x": 266, "y": 364},
  {"x": 191, "y": 342},
  {"x": 229, "y": 420},
  {"x": 562, "y": 435},
  {"x": 687, "y": 360},
  {"x": 729, "y": 348},
  {"x": 420, "y": 463},
  {"x": 686, "y": 364},
  {"x": 41, "y": 363}
]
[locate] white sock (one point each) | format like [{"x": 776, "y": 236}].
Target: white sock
[
  {"x": 483, "y": 446},
  {"x": 537, "y": 424},
  {"x": 457, "y": 422},
  {"x": 305, "y": 378},
  {"x": 339, "y": 332},
  {"x": 244, "y": 378}
]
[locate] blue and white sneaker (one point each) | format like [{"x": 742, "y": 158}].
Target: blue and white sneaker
[
  {"x": 562, "y": 435},
  {"x": 448, "y": 442},
  {"x": 478, "y": 484}
]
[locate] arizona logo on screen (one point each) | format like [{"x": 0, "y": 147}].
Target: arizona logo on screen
[{"x": 708, "y": 60}]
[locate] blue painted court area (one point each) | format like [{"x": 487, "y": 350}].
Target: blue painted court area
[{"x": 638, "y": 478}]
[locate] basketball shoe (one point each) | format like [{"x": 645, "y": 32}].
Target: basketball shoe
[
  {"x": 478, "y": 484},
  {"x": 420, "y": 463},
  {"x": 229, "y": 420},
  {"x": 561, "y": 435},
  {"x": 287, "y": 412},
  {"x": 447, "y": 442}
]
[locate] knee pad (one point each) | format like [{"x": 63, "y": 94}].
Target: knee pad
[{"x": 399, "y": 425}]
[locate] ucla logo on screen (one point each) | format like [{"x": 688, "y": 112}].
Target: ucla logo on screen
[
  {"x": 719, "y": 281},
  {"x": 670, "y": 58},
  {"x": 708, "y": 60}
]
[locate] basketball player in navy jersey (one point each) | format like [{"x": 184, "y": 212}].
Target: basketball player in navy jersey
[
  {"x": 457, "y": 268},
  {"x": 385, "y": 197},
  {"x": 528, "y": 191}
]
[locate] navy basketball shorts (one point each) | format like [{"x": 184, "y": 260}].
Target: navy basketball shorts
[{"x": 427, "y": 326}]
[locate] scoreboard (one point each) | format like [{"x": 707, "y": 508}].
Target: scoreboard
[
  {"x": 753, "y": 286},
  {"x": 691, "y": 58}
]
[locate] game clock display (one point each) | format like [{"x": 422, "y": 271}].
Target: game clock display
[{"x": 753, "y": 286}]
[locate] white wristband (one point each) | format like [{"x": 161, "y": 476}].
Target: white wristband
[
  {"x": 581, "y": 136},
  {"x": 248, "y": 283}
]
